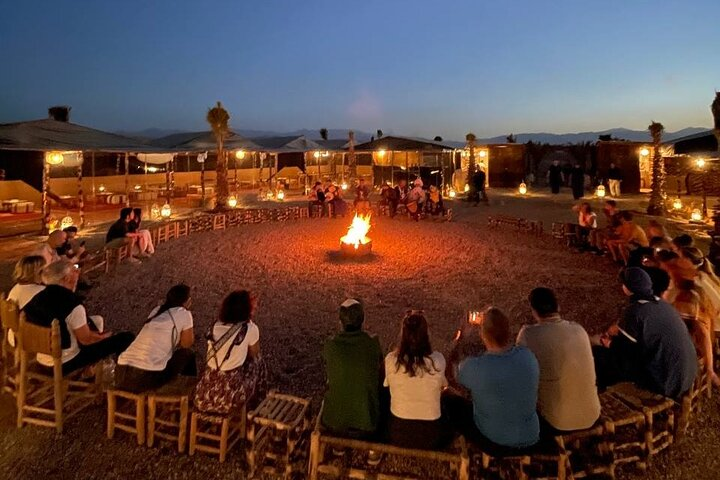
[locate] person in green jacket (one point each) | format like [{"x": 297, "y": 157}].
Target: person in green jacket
[{"x": 353, "y": 365}]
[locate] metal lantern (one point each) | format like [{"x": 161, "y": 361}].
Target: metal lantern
[
  {"x": 240, "y": 154},
  {"x": 66, "y": 222},
  {"x": 54, "y": 158},
  {"x": 677, "y": 204},
  {"x": 101, "y": 188},
  {"x": 281, "y": 195},
  {"x": 600, "y": 192},
  {"x": 166, "y": 211},
  {"x": 452, "y": 193},
  {"x": 696, "y": 215},
  {"x": 155, "y": 211},
  {"x": 522, "y": 188},
  {"x": 344, "y": 186},
  {"x": 644, "y": 152},
  {"x": 232, "y": 201}
]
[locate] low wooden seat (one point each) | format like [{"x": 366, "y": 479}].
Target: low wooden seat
[
  {"x": 558, "y": 231},
  {"x": 511, "y": 467},
  {"x": 455, "y": 457},
  {"x": 113, "y": 256},
  {"x": 588, "y": 451},
  {"x": 126, "y": 412},
  {"x": 10, "y": 318},
  {"x": 275, "y": 428},
  {"x": 624, "y": 431},
  {"x": 383, "y": 209},
  {"x": 658, "y": 411},
  {"x": 168, "y": 408},
  {"x": 216, "y": 434},
  {"x": 182, "y": 228},
  {"x": 219, "y": 222},
  {"x": 166, "y": 232},
  {"x": 55, "y": 397},
  {"x": 691, "y": 401}
]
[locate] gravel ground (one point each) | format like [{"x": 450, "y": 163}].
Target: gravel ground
[{"x": 443, "y": 268}]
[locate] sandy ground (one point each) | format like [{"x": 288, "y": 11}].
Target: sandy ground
[{"x": 443, "y": 268}]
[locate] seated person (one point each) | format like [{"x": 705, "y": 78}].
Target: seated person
[
  {"x": 119, "y": 234},
  {"x": 434, "y": 204},
  {"x": 162, "y": 349},
  {"x": 72, "y": 248},
  {"x": 144, "y": 245},
  {"x": 353, "y": 365},
  {"x": 48, "y": 249},
  {"x": 388, "y": 196},
  {"x": 235, "y": 373},
  {"x": 682, "y": 241},
  {"x": 567, "y": 397},
  {"x": 83, "y": 343},
  {"x": 415, "y": 375},
  {"x": 362, "y": 195},
  {"x": 416, "y": 199},
  {"x": 504, "y": 386},
  {"x": 316, "y": 197},
  {"x": 28, "y": 280},
  {"x": 630, "y": 237},
  {"x": 333, "y": 197},
  {"x": 587, "y": 222},
  {"x": 600, "y": 236},
  {"x": 656, "y": 230},
  {"x": 401, "y": 191}
]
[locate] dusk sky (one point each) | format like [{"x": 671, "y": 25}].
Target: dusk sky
[{"x": 413, "y": 67}]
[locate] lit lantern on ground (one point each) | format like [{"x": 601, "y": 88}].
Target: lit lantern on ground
[
  {"x": 66, "y": 222},
  {"x": 270, "y": 195},
  {"x": 522, "y": 188},
  {"x": 155, "y": 211},
  {"x": 677, "y": 204},
  {"x": 232, "y": 201},
  {"x": 240, "y": 154},
  {"x": 54, "y": 158},
  {"x": 137, "y": 188},
  {"x": 600, "y": 192},
  {"x": 166, "y": 211},
  {"x": 696, "y": 216},
  {"x": 281, "y": 195},
  {"x": 101, "y": 188},
  {"x": 452, "y": 193},
  {"x": 467, "y": 187},
  {"x": 700, "y": 162},
  {"x": 344, "y": 186}
]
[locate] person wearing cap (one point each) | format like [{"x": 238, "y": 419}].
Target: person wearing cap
[
  {"x": 567, "y": 395},
  {"x": 353, "y": 365},
  {"x": 662, "y": 351}
]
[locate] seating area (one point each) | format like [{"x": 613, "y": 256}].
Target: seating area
[{"x": 532, "y": 227}]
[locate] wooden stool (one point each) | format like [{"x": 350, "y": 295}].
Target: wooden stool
[
  {"x": 384, "y": 210},
  {"x": 505, "y": 467},
  {"x": 168, "y": 408},
  {"x": 219, "y": 222},
  {"x": 127, "y": 414},
  {"x": 588, "y": 453},
  {"x": 658, "y": 411},
  {"x": 215, "y": 433},
  {"x": 279, "y": 419},
  {"x": 182, "y": 228},
  {"x": 317, "y": 211},
  {"x": 624, "y": 430}
]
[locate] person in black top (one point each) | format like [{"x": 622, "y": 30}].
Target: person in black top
[
  {"x": 478, "y": 184},
  {"x": 614, "y": 179},
  {"x": 577, "y": 180},
  {"x": 144, "y": 237},
  {"x": 119, "y": 234},
  {"x": 555, "y": 177}
]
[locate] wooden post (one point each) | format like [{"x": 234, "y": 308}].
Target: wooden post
[
  {"x": 92, "y": 166},
  {"x": 407, "y": 167},
  {"x": 127, "y": 180},
  {"x": 167, "y": 181},
  {"x": 45, "y": 203},
  {"x": 81, "y": 200},
  {"x": 202, "y": 178}
]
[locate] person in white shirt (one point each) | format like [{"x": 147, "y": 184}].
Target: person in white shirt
[
  {"x": 162, "y": 350},
  {"x": 235, "y": 374},
  {"x": 415, "y": 375},
  {"x": 28, "y": 282}
]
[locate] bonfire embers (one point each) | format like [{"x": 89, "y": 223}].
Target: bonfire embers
[{"x": 356, "y": 242}]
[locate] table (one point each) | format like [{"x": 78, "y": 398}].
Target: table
[
  {"x": 15, "y": 205},
  {"x": 197, "y": 190}
]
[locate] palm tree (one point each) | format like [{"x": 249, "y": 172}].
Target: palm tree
[
  {"x": 218, "y": 118},
  {"x": 379, "y": 134},
  {"x": 438, "y": 138},
  {"x": 511, "y": 138},
  {"x": 657, "y": 196},
  {"x": 470, "y": 139},
  {"x": 715, "y": 109},
  {"x": 324, "y": 133}
]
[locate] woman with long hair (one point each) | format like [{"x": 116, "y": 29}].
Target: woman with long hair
[
  {"x": 27, "y": 279},
  {"x": 145, "y": 245},
  {"x": 415, "y": 374},
  {"x": 705, "y": 278},
  {"x": 235, "y": 374},
  {"x": 162, "y": 349}
]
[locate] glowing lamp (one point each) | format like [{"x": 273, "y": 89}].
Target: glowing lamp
[
  {"x": 155, "y": 211},
  {"x": 677, "y": 204},
  {"x": 467, "y": 187},
  {"x": 452, "y": 193},
  {"x": 232, "y": 201},
  {"x": 381, "y": 152},
  {"x": 54, "y": 158},
  {"x": 483, "y": 153},
  {"x": 644, "y": 152},
  {"x": 522, "y": 188},
  {"x": 66, "y": 222},
  {"x": 166, "y": 211},
  {"x": 270, "y": 195},
  {"x": 700, "y": 162},
  {"x": 344, "y": 186},
  {"x": 153, "y": 169},
  {"x": 240, "y": 154},
  {"x": 696, "y": 215},
  {"x": 600, "y": 192},
  {"x": 137, "y": 188},
  {"x": 281, "y": 195},
  {"x": 316, "y": 154},
  {"x": 101, "y": 188}
]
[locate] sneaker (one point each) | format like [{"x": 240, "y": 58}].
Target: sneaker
[
  {"x": 134, "y": 261},
  {"x": 374, "y": 458}
]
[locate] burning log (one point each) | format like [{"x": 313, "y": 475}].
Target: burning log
[{"x": 356, "y": 242}]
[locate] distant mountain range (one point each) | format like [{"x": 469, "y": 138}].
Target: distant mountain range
[{"x": 360, "y": 136}]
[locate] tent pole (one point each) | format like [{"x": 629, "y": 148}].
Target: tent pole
[
  {"x": 93, "y": 175},
  {"x": 167, "y": 182},
  {"x": 81, "y": 202},
  {"x": 45, "y": 204},
  {"x": 407, "y": 168},
  {"x": 392, "y": 169},
  {"x": 202, "y": 181},
  {"x": 127, "y": 180}
]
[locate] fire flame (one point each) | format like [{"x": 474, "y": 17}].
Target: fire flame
[{"x": 357, "y": 231}]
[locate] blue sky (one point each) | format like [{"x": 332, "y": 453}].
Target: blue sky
[{"x": 416, "y": 67}]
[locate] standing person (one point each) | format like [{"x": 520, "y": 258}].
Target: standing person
[
  {"x": 503, "y": 383},
  {"x": 388, "y": 196},
  {"x": 145, "y": 244},
  {"x": 119, "y": 234},
  {"x": 353, "y": 365},
  {"x": 362, "y": 196},
  {"x": 614, "y": 179},
  {"x": 415, "y": 374},
  {"x": 401, "y": 192},
  {"x": 316, "y": 197},
  {"x": 567, "y": 396},
  {"x": 577, "y": 181},
  {"x": 235, "y": 374},
  {"x": 163, "y": 348},
  {"x": 478, "y": 183},
  {"x": 83, "y": 339},
  {"x": 555, "y": 176}
]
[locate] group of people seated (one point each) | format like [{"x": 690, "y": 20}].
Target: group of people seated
[
  {"x": 503, "y": 393},
  {"x": 415, "y": 200},
  {"x": 126, "y": 231},
  {"x": 328, "y": 198},
  {"x": 161, "y": 351}
]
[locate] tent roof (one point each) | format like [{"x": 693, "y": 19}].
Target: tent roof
[
  {"x": 47, "y": 134},
  {"x": 334, "y": 144},
  {"x": 287, "y": 144},
  {"x": 201, "y": 142},
  {"x": 698, "y": 143},
  {"x": 397, "y": 143}
]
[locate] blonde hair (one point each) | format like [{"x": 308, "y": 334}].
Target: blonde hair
[
  {"x": 697, "y": 258},
  {"x": 28, "y": 269}
]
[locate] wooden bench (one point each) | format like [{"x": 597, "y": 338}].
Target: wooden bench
[
  {"x": 182, "y": 228},
  {"x": 10, "y": 318},
  {"x": 126, "y": 412},
  {"x": 93, "y": 262},
  {"x": 456, "y": 457},
  {"x": 275, "y": 428},
  {"x": 216, "y": 434},
  {"x": 624, "y": 432},
  {"x": 168, "y": 409},
  {"x": 219, "y": 222},
  {"x": 113, "y": 256}
]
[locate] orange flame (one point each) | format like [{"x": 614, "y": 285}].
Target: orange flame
[{"x": 357, "y": 232}]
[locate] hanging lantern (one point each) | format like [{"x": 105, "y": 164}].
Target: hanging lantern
[
  {"x": 101, "y": 188},
  {"x": 155, "y": 211},
  {"x": 522, "y": 188},
  {"x": 137, "y": 188},
  {"x": 677, "y": 204},
  {"x": 467, "y": 187},
  {"x": 600, "y": 192},
  {"x": 696, "y": 216},
  {"x": 166, "y": 211},
  {"x": 232, "y": 201},
  {"x": 344, "y": 186},
  {"x": 66, "y": 222},
  {"x": 281, "y": 195},
  {"x": 483, "y": 153},
  {"x": 452, "y": 193},
  {"x": 54, "y": 158},
  {"x": 240, "y": 154},
  {"x": 644, "y": 152}
]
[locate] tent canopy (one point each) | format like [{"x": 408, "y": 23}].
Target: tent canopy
[
  {"x": 155, "y": 158},
  {"x": 196, "y": 142},
  {"x": 287, "y": 144},
  {"x": 398, "y": 144},
  {"x": 48, "y": 135}
]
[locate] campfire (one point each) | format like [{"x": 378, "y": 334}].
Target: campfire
[{"x": 356, "y": 242}]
